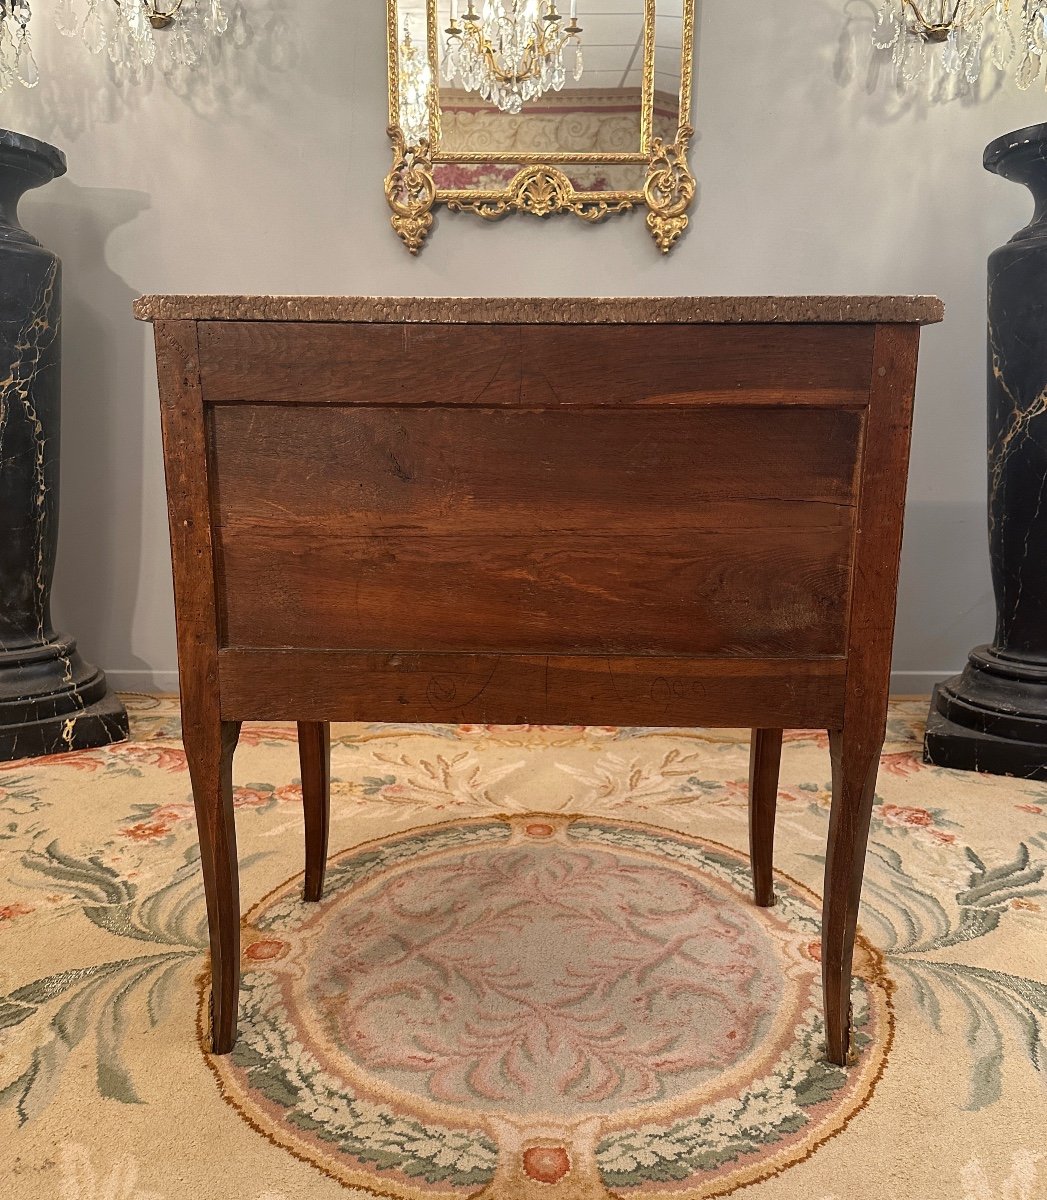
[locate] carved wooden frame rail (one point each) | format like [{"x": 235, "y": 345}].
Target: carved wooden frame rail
[{"x": 712, "y": 538}]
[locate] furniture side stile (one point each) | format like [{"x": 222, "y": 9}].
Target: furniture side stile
[
  {"x": 186, "y": 462},
  {"x": 855, "y": 746},
  {"x": 883, "y": 473}
]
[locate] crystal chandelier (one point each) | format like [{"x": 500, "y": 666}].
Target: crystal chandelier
[
  {"x": 1012, "y": 34},
  {"x": 415, "y": 79},
  {"x": 511, "y": 51},
  {"x": 122, "y": 28},
  {"x": 17, "y": 64}
]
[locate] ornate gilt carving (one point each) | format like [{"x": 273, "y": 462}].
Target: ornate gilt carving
[
  {"x": 540, "y": 191},
  {"x": 669, "y": 189},
  {"x": 410, "y": 191},
  {"x": 474, "y": 173}
]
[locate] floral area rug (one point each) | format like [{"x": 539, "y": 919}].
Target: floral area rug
[{"x": 536, "y": 974}]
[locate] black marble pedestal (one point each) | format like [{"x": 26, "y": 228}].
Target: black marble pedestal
[
  {"x": 993, "y": 717},
  {"x": 50, "y": 699}
]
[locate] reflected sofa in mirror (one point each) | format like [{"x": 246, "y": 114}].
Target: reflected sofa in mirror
[{"x": 578, "y": 107}]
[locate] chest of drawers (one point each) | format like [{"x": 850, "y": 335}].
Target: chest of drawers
[{"x": 670, "y": 512}]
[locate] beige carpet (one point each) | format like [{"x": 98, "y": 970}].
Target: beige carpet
[{"x": 535, "y": 973}]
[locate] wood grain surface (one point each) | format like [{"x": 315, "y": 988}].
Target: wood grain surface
[
  {"x": 498, "y": 522},
  {"x": 535, "y": 365},
  {"x": 209, "y": 740},
  {"x": 509, "y": 689},
  {"x": 857, "y": 742},
  {"x": 706, "y": 532}
]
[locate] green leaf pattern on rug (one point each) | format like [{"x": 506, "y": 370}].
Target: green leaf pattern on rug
[
  {"x": 902, "y": 916},
  {"x": 911, "y": 925}
]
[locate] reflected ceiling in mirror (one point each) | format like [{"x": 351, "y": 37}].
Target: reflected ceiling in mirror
[{"x": 540, "y": 106}]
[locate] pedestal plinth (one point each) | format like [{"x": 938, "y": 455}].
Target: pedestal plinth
[
  {"x": 993, "y": 717},
  {"x": 50, "y": 699}
]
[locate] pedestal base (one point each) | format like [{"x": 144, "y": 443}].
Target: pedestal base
[
  {"x": 99, "y": 724},
  {"x": 992, "y": 718},
  {"x": 51, "y": 701}
]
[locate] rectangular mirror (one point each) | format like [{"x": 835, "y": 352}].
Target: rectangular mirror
[{"x": 542, "y": 107}]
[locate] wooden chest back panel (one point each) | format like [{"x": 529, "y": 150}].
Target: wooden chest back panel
[
  {"x": 537, "y": 366},
  {"x": 657, "y": 524},
  {"x": 715, "y": 531}
]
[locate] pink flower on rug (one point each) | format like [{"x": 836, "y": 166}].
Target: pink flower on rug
[
  {"x": 256, "y": 797},
  {"x": 902, "y": 764},
  {"x": 149, "y": 754},
  {"x": 737, "y": 789},
  {"x": 267, "y": 733},
  {"x": 163, "y": 820},
  {"x": 160, "y": 823},
  {"x": 898, "y": 814},
  {"x": 546, "y": 1164},
  {"x": 266, "y": 950},
  {"x": 8, "y": 912},
  {"x": 249, "y": 797},
  {"x": 903, "y": 817},
  {"x": 817, "y": 736},
  {"x": 81, "y": 760},
  {"x": 821, "y": 797}
]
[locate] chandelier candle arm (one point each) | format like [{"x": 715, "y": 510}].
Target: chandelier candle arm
[{"x": 512, "y": 51}]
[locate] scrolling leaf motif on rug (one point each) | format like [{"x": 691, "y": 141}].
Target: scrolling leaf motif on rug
[
  {"x": 501, "y": 1007},
  {"x": 952, "y": 896}
]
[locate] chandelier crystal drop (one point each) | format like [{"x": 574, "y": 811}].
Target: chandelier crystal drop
[
  {"x": 122, "y": 29},
  {"x": 415, "y": 81},
  {"x": 1011, "y": 35},
  {"x": 17, "y": 64},
  {"x": 512, "y": 51}
]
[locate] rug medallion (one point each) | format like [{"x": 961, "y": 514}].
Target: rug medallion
[{"x": 548, "y": 1006}]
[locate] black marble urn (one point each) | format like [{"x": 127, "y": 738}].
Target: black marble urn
[
  {"x": 50, "y": 699},
  {"x": 993, "y": 717}
]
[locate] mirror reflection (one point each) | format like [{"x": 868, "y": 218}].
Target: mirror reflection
[{"x": 495, "y": 85}]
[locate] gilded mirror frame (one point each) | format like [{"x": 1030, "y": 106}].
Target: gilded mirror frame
[{"x": 541, "y": 186}]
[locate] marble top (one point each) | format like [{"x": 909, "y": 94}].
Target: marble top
[{"x": 610, "y": 310}]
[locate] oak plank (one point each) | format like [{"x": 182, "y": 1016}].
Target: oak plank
[
  {"x": 756, "y": 592},
  {"x": 383, "y": 470},
  {"x": 543, "y": 366},
  {"x": 346, "y": 685}
]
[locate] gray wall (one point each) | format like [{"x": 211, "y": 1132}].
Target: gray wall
[{"x": 815, "y": 176}]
